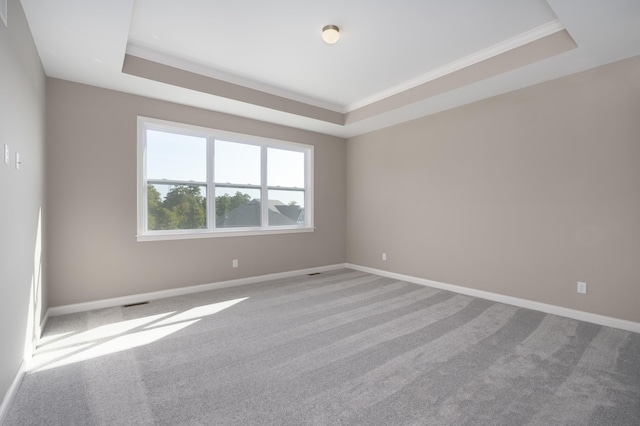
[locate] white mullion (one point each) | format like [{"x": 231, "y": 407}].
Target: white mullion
[
  {"x": 237, "y": 185},
  {"x": 264, "y": 205},
  {"x": 142, "y": 178},
  {"x": 285, "y": 188},
  {"x": 308, "y": 187},
  {"x": 211, "y": 189},
  {"x": 174, "y": 182}
]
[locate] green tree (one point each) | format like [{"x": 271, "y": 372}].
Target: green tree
[
  {"x": 188, "y": 205},
  {"x": 158, "y": 216},
  {"x": 154, "y": 205},
  {"x": 168, "y": 219},
  {"x": 226, "y": 202},
  {"x": 184, "y": 207}
]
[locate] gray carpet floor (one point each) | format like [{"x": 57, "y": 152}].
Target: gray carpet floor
[{"x": 339, "y": 348}]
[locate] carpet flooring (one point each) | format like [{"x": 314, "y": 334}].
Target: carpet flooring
[{"x": 338, "y": 348}]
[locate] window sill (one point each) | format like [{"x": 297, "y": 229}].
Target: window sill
[{"x": 189, "y": 235}]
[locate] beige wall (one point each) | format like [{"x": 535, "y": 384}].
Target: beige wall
[
  {"x": 91, "y": 189},
  {"x": 523, "y": 194},
  {"x": 22, "y": 121}
]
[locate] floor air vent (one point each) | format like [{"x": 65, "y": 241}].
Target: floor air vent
[
  {"x": 135, "y": 304},
  {"x": 314, "y": 273}
]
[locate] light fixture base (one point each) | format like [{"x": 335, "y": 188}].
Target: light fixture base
[{"x": 330, "y": 34}]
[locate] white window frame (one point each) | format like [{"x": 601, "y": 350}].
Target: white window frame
[{"x": 146, "y": 123}]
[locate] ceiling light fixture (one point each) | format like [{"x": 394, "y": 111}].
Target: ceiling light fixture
[{"x": 330, "y": 34}]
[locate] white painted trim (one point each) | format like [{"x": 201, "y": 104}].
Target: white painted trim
[
  {"x": 143, "y": 297},
  {"x": 477, "y": 57},
  {"x": 195, "y": 234},
  {"x": 523, "y": 303},
  {"x": 210, "y": 134},
  {"x": 509, "y": 300},
  {"x": 11, "y": 392},
  {"x": 482, "y": 55},
  {"x": 185, "y": 65}
]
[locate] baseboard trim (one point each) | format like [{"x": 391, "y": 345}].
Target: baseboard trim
[
  {"x": 11, "y": 392},
  {"x": 509, "y": 300},
  {"x": 143, "y": 297}
]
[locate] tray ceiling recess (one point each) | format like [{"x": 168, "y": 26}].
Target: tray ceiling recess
[{"x": 394, "y": 61}]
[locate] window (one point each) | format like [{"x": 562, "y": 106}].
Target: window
[{"x": 195, "y": 182}]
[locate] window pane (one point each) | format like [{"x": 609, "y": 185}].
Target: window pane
[
  {"x": 176, "y": 207},
  {"x": 285, "y": 168},
  {"x": 237, "y": 207},
  {"x": 237, "y": 163},
  {"x": 176, "y": 157},
  {"x": 286, "y": 207}
]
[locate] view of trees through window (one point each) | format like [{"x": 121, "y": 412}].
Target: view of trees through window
[
  {"x": 194, "y": 179},
  {"x": 184, "y": 207}
]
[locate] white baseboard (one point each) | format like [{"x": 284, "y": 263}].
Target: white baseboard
[
  {"x": 522, "y": 303},
  {"x": 143, "y": 297},
  {"x": 11, "y": 392}
]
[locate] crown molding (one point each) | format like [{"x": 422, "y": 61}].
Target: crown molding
[
  {"x": 175, "y": 62},
  {"x": 482, "y": 55},
  {"x": 475, "y": 58}
]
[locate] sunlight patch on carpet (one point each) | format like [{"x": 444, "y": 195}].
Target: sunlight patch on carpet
[{"x": 69, "y": 348}]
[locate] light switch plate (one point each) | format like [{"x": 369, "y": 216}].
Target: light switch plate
[
  {"x": 6, "y": 154},
  {"x": 18, "y": 160}
]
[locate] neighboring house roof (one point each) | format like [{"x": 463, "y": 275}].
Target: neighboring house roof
[{"x": 249, "y": 215}]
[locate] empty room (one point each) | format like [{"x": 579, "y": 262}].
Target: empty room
[{"x": 320, "y": 213}]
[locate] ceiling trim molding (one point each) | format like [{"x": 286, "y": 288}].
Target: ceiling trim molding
[
  {"x": 185, "y": 65},
  {"x": 535, "y": 51},
  {"x": 162, "y": 73},
  {"x": 480, "y": 56}
]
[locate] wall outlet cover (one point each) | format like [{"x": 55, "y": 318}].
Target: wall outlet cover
[{"x": 582, "y": 287}]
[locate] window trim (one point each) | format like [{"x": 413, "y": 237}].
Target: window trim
[{"x": 145, "y": 123}]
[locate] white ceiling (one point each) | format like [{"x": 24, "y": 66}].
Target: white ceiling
[{"x": 386, "y": 48}]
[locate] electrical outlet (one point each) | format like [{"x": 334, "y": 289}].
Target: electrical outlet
[
  {"x": 582, "y": 287},
  {"x": 235, "y": 263},
  {"x": 384, "y": 256}
]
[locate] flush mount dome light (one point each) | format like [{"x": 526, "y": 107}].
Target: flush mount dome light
[{"x": 330, "y": 34}]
